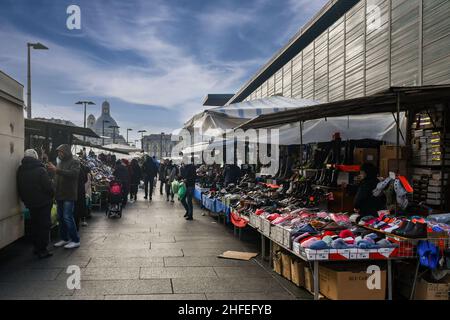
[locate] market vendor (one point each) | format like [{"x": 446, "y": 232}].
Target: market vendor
[{"x": 366, "y": 204}]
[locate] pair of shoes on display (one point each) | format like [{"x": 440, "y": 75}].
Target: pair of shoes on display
[
  {"x": 67, "y": 244},
  {"x": 412, "y": 229}
]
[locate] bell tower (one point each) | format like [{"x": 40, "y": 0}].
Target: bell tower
[{"x": 105, "y": 108}]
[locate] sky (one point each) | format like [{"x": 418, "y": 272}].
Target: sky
[{"x": 153, "y": 60}]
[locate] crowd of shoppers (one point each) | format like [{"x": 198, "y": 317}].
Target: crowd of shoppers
[{"x": 69, "y": 183}]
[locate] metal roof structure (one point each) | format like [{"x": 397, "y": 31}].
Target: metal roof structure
[
  {"x": 328, "y": 15},
  {"x": 409, "y": 98},
  {"x": 217, "y": 100},
  {"x": 41, "y": 127}
]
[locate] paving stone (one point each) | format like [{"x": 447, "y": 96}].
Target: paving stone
[
  {"x": 242, "y": 272},
  {"x": 124, "y": 287},
  {"x": 19, "y": 275},
  {"x": 34, "y": 289},
  {"x": 204, "y": 262},
  {"x": 209, "y": 285},
  {"x": 117, "y": 262},
  {"x": 177, "y": 272},
  {"x": 129, "y": 253},
  {"x": 106, "y": 273},
  {"x": 250, "y": 296},
  {"x": 193, "y": 296}
]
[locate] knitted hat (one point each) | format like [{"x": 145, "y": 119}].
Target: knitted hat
[{"x": 31, "y": 153}]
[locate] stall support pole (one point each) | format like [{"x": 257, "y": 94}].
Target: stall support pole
[
  {"x": 270, "y": 253},
  {"x": 389, "y": 274},
  {"x": 263, "y": 248},
  {"x": 316, "y": 280},
  {"x": 413, "y": 289}
]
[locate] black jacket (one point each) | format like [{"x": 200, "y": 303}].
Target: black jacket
[
  {"x": 365, "y": 202},
  {"x": 136, "y": 175},
  {"x": 121, "y": 174},
  {"x": 189, "y": 173},
  {"x": 34, "y": 185},
  {"x": 149, "y": 168},
  {"x": 67, "y": 176}
]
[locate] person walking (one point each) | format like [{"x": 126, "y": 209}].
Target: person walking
[
  {"x": 162, "y": 175},
  {"x": 36, "y": 191},
  {"x": 171, "y": 173},
  {"x": 80, "y": 205},
  {"x": 149, "y": 172},
  {"x": 122, "y": 175},
  {"x": 66, "y": 176},
  {"x": 136, "y": 177},
  {"x": 189, "y": 175}
]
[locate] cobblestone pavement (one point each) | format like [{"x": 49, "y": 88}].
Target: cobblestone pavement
[{"x": 151, "y": 253}]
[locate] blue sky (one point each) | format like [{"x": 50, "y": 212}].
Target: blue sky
[{"x": 153, "y": 60}]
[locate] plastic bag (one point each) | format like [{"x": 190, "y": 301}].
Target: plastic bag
[
  {"x": 175, "y": 186},
  {"x": 182, "y": 191}
]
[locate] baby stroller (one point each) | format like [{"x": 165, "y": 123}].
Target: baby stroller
[{"x": 115, "y": 199}]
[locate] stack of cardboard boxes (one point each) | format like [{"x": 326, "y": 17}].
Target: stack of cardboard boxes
[{"x": 431, "y": 155}]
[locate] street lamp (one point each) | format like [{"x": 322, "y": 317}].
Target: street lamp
[
  {"x": 103, "y": 132},
  {"x": 35, "y": 46},
  {"x": 161, "y": 148},
  {"x": 85, "y": 103},
  {"x": 128, "y": 130},
  {"x": 142, "y": 137},
  {"x": 114, "y": 132}
]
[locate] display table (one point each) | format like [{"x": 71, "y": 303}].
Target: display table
[{"x": 273, "y": 234}]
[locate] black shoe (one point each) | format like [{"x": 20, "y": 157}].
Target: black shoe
[
  {"x": 185, "y": 216},
  {"x": 145, "y": 197},
  {"x": 44, "y": 254},
  {"x": 189, "y": 219}
]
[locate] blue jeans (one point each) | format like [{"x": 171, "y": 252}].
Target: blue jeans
[
  {"x": 189, "y": 205},
  {"x": 67, "y": 226}
]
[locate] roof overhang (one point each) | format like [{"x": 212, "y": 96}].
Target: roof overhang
[
  {"x": 217, "y": 100},
  {"x": 42, "y": 126},
  {"x": 410, "y": 98}
]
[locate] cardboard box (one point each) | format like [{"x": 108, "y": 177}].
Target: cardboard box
[
  {"x": 390, "y": 152},
  {"x": 277, "y": 262},
  {"x": 298, "y": 272},
  {"x": 362, "y": 155},
  {"x": 349, "y": 283},
  {"x": 389, "y": 165},
  {"x": 432, "y": 291},
  {"x": 309, "y": 279},
  {"x": 286, "y": 265}
]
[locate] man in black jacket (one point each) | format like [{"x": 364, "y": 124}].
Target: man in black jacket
[
  {"x": 149, "y": 170},
  {"x": 365, "y": 203},
  {"x": 36, "y": 191},
  {"x": 189, "y": 174}
]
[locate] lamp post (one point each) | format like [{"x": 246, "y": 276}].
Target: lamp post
[
  {"x": 128, "y": 130},
  {"x": 114, "y": 132},
  {"x": 85, "y": 103},
  {"x": 35, "y": 46},
  {"x": 103, "y": 132},
  {"x": 161, "y": 148},
  {"x": 142, "y": 138}
]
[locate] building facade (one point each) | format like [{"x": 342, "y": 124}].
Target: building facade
[
  {"x": 158, "y": 145},
  {"x": 355, "y": 48}
]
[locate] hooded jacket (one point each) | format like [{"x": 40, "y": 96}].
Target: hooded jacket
[
  {"x": 67, "y": 176},
  {"x": 33, "y": 183}
]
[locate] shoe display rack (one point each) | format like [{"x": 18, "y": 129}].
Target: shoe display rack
[{"x": 430, "y": 144}]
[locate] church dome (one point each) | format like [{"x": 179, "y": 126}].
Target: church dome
[{"x": 106, "y": 116}]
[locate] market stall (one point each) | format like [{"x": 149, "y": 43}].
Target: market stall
[{"x": 296, "y": 211}]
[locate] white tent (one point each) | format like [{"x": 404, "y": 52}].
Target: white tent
[{"x": 233, "y": 115}]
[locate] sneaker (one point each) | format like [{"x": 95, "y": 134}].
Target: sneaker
[
  {"x": 61, "y": 243},
  {"x": 72, "y": 245}
]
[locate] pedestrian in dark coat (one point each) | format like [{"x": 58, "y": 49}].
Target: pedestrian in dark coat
[
  {"x": 36, "y": 191},
  {"x": 149, "y": 171},
  {"x": 122, "y": 175},
  {"x": 136, "y": 177}
]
